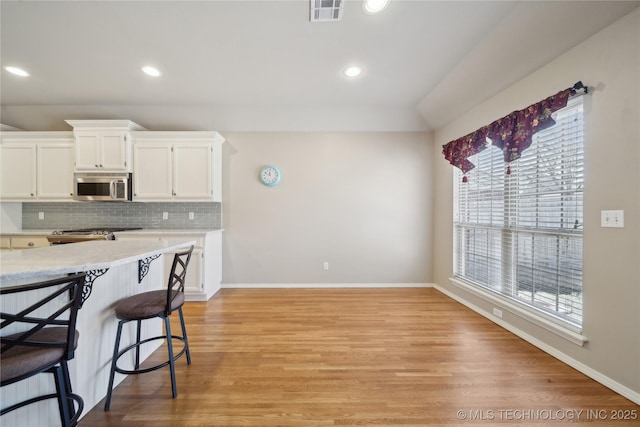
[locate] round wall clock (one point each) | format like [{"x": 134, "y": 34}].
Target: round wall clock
[{"x": 270, "y": 175}]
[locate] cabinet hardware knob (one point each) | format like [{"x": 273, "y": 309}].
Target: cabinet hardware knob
[{"x": 30, "y": 243}]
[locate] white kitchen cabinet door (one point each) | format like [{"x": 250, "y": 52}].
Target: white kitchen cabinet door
[
  {"x": 194, "y": 280},
  {"x": 192, "y": 171},
  {"x": 114, "y": 150},
  {"x": 101, "y": 151},
  {"x": 18, "y": 171},
  {"x": 152, "y": 177},
  {"x": 88, "y": 151},
  {"x": 55, "y": 171}
]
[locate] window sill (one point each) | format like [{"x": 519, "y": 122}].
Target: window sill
[{"x": 562, "y": 331}]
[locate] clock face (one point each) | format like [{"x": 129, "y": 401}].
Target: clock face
[{"x": 270, "y": 175}]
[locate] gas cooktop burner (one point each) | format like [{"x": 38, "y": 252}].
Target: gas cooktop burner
[
  {"x": 59, "y": 237},
  {"x": 92, "y": 231}
]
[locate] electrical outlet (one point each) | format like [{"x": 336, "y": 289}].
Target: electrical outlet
[
  {"x": 614, "y": 219},
  {"x": 325, "y": 266},
  {"x": 40, "y": 215},
  {"x": 191, "y": 216},
  {"x": 497, "y": 312},
  {"x": 165, "y": 215}
]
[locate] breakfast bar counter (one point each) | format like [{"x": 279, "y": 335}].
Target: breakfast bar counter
[
  {"x": 58, "y": 260},
  {"x": 115, "y": 270}
]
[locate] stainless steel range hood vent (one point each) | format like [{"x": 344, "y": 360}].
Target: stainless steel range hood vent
[{"x": 326, "y": 10}]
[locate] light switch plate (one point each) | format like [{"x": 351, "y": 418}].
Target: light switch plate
[{"x": 614, "y": 219}]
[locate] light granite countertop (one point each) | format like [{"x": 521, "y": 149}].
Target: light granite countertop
[
  {"x": 183, "y": 231},
  {"x": 85, "y": 256},
  {"x": 28, "y": 232}
]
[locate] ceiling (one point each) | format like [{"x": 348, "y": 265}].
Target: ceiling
[{"x": 263, "y": 66}]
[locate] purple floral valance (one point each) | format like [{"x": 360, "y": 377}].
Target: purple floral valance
[
  {"x": 512, "y": 133},
  {"x": 459, "y": 151}
]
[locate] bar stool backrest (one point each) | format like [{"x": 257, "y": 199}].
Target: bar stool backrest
[
  {"x": 177, "y": 277},
  {"x": 57, "y": 306}
]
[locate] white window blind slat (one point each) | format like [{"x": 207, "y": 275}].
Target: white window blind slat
[{"x": 520, "y": 234}]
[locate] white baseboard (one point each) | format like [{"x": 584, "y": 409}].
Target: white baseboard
[
  {"x": 587, "y": 370},
  {"x": 323, "y": 285}
]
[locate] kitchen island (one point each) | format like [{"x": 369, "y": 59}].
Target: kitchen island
[{"x": 115, "y": 270}]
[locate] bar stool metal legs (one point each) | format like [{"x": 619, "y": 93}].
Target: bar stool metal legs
[{"x": 117, "y": 354}]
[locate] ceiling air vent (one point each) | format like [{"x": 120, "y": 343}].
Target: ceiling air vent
[{"x": 326, "y": 10}]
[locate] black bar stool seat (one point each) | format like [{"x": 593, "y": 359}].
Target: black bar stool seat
[
  {"x": 20, "y": 360},
  {"x": 147, "y": 305},
  {"x": 150, "y": 305}
]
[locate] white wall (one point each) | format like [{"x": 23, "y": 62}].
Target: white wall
[
  {"x": 360, "y": 201},
  {"x": 609, "y": 63}
]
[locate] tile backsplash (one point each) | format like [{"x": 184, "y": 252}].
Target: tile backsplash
[{"x": 121, "y": 214}]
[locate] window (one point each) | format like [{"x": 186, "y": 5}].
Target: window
[{"x": 519, "y": 233}]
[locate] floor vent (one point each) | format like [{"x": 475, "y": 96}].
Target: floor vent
[{"x": 326, "y": 10}]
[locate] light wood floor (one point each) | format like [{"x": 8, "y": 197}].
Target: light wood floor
[{"x": 315, "y": 357}]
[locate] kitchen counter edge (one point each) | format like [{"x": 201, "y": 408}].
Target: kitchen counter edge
[
  {"x": 86, "y": 256},
  {"x": 46, "y": 232}
]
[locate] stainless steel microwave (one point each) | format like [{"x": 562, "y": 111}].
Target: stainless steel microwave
[{"x": 103, "y": 187}]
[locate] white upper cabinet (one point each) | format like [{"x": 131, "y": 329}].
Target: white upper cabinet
[
  {"x": 36, "y": 166},
  {"x": 193, "y": 171},
  {"x": 102, "y": 151},
  {"x": 177, "y": 166},
  {"x": 18, "y": 171},
  {"x": 103, "y": 145},
  {"x": 152, "y": 176},
  {"x": 55, "y": 171}
]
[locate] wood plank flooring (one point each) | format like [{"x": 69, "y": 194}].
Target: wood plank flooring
[{"x": 377, "y": 357}]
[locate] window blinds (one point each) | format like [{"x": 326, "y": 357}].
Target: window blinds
[{"x": 520, "y": 233}]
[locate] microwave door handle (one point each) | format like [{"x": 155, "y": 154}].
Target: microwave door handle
[{"x": 112, "y": 189}]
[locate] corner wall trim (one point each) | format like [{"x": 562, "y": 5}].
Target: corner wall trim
[
  {"x": 323, "y": 285},
  {"x": 587, "y": 370}
]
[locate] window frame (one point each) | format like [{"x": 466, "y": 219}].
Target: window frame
[{"x": 562, "y": 326}]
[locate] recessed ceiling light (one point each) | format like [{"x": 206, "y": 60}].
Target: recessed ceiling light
[
  {"x": 374, "y": 6},
  {"x": 151, "y": 71},
  {"x": 17, "y": 71},
  {"x": 352, "y": 71}
]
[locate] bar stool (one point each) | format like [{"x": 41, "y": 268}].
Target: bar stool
[
  {"x": 48, "y": 342},
  {"x": 150, "y": 305}
]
